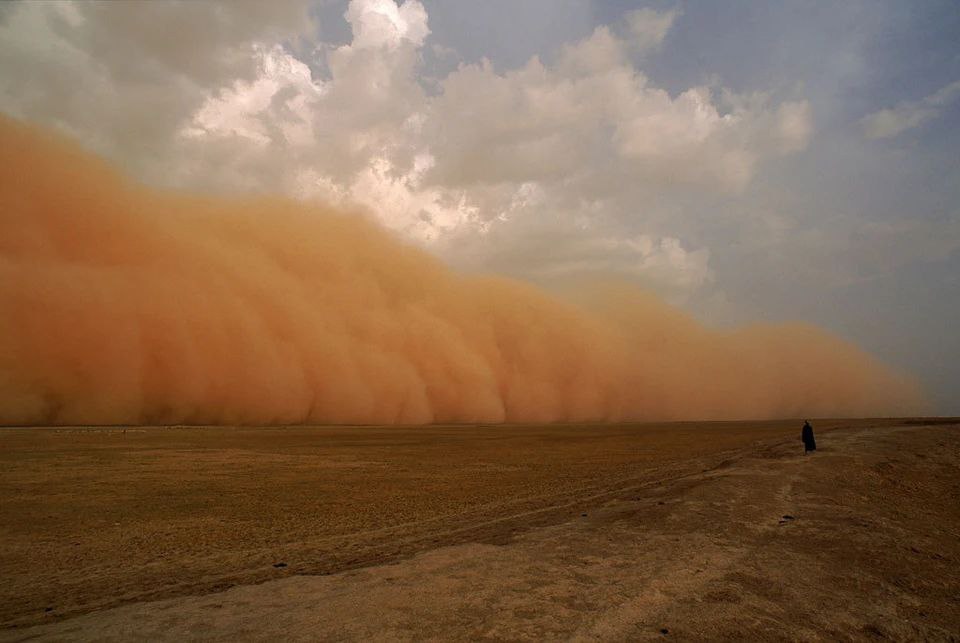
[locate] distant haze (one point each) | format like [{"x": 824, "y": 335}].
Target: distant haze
[{"x": 122, "y": 304}]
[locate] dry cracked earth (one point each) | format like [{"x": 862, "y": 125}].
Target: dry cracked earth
[{"x": 719, "y": 531}]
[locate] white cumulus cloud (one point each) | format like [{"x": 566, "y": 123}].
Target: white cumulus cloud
[{"x": 545, "y": 169}]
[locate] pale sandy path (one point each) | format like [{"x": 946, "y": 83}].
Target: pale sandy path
[{"x": 872, "y": 551}]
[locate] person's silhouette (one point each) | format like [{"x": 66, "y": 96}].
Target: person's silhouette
[{"x": 809, "y": 443}]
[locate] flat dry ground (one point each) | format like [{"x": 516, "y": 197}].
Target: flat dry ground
[{"x": 591, "y": 532}]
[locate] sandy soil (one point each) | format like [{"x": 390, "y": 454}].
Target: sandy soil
[{"x": 477, "y": 532}]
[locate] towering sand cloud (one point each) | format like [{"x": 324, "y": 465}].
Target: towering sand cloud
[{"x": 119, "y": 304}]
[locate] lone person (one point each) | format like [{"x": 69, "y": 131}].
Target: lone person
[{"x": 809, "y": 443}]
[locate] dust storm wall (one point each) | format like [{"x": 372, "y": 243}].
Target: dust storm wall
[{"x": 121, "y": 304}]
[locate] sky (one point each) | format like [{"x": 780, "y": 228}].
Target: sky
[{"x": 748, "y": 161}]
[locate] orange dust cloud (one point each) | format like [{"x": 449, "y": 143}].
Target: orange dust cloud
[{"x": 121, "y": 304}]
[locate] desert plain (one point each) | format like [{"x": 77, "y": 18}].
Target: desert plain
[{"x": 718, "y": 530}]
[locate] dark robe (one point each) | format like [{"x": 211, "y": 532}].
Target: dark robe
[{"x": 809, "y": 444}]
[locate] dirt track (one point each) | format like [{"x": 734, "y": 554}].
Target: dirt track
[{"x": 683, "y": 531}]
